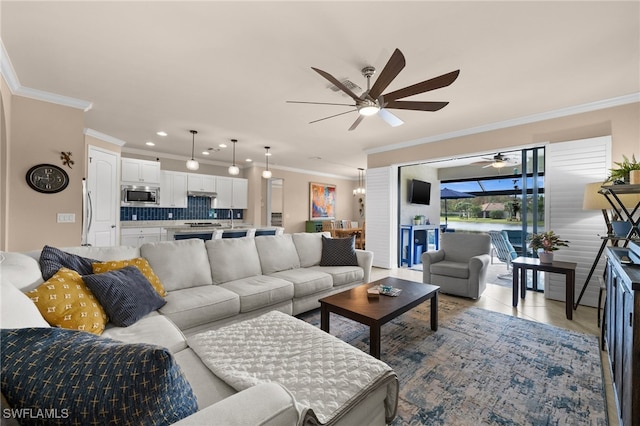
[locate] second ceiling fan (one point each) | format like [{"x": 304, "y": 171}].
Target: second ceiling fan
[{"x": 373, "y": 101}]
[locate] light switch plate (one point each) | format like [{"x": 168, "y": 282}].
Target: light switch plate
[{"x": 66, "y": 217}]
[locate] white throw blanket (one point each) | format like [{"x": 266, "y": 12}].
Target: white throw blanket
[{"x": 321, "y": 371}]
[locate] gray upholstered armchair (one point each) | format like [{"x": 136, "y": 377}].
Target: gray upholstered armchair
[{"x": 459, "y": 267}]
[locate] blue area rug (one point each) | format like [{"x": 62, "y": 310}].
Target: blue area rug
[{"x": 482, "y": 367}]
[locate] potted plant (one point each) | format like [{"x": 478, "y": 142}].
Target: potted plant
[
  {"x": 417, "y": 219},
  {"x": 545, "y": 244},
  {"x": 628, "y": 171}
]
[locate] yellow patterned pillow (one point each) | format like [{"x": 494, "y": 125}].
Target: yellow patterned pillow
[
  {"x": 65, "y": 301},
  {"x": 140, "y": 263}
]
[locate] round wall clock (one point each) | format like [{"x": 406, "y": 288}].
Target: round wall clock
[{"x": 47, "y": 178}]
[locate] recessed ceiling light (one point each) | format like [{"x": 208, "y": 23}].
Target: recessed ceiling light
[
  {"x": 161, "y": 133},
  {"x": 150, "y": 143},
  {"x": 248, "y": 160},
  {"x": 205, "y": 152},
  {"x": 315, "y": 158},
  {"x": 222, "y": 145}
]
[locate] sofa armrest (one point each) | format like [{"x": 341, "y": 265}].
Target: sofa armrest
[
  {"x": 479, "y": 262},
  {"x": 365, "y": 261},
  {"x": 263, "y": 404}
]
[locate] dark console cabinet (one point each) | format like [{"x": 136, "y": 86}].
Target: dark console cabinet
[{"x": 622, "y": 333}]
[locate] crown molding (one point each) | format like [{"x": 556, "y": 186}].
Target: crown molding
[
  {"x": 103, "y": 137},
  {"x": 558, "y": 113},
  {"x": 10, "y": 76}
]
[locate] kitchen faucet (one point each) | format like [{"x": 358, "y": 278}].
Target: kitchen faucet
[{"x": 231, "y": 216}]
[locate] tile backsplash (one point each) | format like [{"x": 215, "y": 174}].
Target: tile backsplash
[{"x": 198, "y": 208}]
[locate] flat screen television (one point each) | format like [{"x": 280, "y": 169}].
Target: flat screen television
[{"x": 420, "y": 192}]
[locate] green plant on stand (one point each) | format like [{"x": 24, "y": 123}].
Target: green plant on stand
[{"x": 622, "y": 173}]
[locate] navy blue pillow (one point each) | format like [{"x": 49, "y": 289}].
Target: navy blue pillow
[
  {"x": 92, "y": 380},
  {"x": 339, "y": 251},
  {"x": 52, "y": 259},
  {"x": 126, "y": 295}
]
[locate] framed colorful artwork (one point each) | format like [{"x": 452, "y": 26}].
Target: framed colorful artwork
[{"x": 322, "y": 201}]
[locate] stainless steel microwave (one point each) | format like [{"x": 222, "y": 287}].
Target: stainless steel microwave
[{"x": 140, "y": 195}]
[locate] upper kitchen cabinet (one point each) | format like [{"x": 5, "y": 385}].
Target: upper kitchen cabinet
[
  {"x": 201, "y": 183},
  {"x": 140, "y": 172},
  {"x": 232, "y": 193},
  {"x": 240, "y": 193},
  {"x": 173, "y": 188}
]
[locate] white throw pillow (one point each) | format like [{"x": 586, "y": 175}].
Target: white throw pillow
[
  {"x": 21, "y": 270},
  {"x": 18, "y": 311}
]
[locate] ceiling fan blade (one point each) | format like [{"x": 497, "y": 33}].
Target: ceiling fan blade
[
  {"x": 337, "y": 83},
  {"x": 424, "y": 86},
  {"x": 331, "y": 116},
  {"x": 390, "y": 71},
  {"x": 355, "y": 123},
  {"x": 416, "y": 106},
  {"x": 391, "y": 119},
  {"x": 318, "y": 103}
]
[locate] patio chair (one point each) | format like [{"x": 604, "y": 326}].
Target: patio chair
[{"x": 504, "y": 250}]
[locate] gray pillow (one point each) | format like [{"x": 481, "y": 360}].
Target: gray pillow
[
  {"x": 125, "y": 294},
  {"x": 339, "y": 251}
]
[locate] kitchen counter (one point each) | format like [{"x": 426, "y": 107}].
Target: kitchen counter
[{"x": 178, "y": 225}]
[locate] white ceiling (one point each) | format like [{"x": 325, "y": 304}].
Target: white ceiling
[{"x": 227, "y": 69}]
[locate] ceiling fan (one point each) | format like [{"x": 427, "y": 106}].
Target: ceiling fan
[
  {"x": 373, "y": 102},
  {"x": 498, "y": 161}
]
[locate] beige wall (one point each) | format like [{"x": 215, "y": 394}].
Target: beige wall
[
  {"x": 38, "y": 133},
  {"x": 621, "y": 122}
]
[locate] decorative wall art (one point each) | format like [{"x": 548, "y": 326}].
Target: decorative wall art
[{"x": 322, "y": 201}]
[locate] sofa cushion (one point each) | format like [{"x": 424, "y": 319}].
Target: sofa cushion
[
  {"x": 306, "y": 281},
  {"x": 450, "y": 269},
  {"x": 191, "y": 307},
  {"x": 105, "y": 253},
  {"x": 125, "y": 294},
  {"x": 17, "y": 310},
  {"x": 179, "y": 264},
  {"x": 65, "y": 301},
  {"x": 138, "y": 262},
  {"x": 339, "y": 251},
  {"x": 153, "y": 329},
  {"x": 277, "y": 253},
  {"x": 232, "y": 259},
  {"x": 342, "y": 274},
  {"x": 260, "y": 291},
  {"x": 309, "y": 247},
  {"x": 21, "y": 270},
  {"x": 51, "y": 367},
  {"x": 52, "y": 259}
]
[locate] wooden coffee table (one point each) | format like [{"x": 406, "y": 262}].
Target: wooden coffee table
[{"x": 358, "y": 305}]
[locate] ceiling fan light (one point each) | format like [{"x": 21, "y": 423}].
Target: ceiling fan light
[
  {"x": 368, "y": 110},
  {"x": 498, "y": 164}
]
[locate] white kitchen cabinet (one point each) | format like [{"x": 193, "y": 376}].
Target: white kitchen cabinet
[
  {"x": 202, "y": 183},
  {"x": 232, "y": 193},
  {"x": 224, "y": 189},
  {"x": 138, "y": 172},
  {"x": 240, "y": 193},
  {"x": 173, "y": 189},
  {"x": 138, "y": 236}
]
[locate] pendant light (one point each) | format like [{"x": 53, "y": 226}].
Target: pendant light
[
  {"x": 233, "y": 169},
  {"x": 193, "y": 164},
  {"x": 360, "y": 190},
  {"x": 267, "y": 173}
]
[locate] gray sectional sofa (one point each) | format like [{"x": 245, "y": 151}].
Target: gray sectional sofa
[{"x": 211, "y": 285}]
